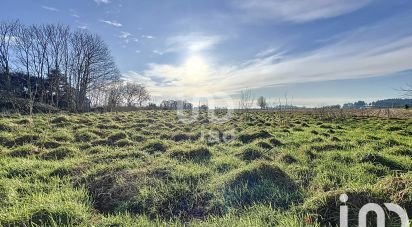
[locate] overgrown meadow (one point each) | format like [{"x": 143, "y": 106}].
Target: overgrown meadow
[{"x": 149, "y": 168}]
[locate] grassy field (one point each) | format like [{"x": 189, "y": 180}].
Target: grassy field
[{"x": 148, "y": 168}]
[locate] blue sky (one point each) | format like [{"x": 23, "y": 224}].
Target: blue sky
[{"x": 318, "y": 52}]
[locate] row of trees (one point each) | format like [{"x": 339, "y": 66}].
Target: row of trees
[
  {"x": 120, "y": 93},
  {"x": 66, "y": 69},
  {"x": 176, "y": 104},
  {"x": 247, "y": 101}
]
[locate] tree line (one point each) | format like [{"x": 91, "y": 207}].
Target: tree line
[{"x": 54, "y": 65}]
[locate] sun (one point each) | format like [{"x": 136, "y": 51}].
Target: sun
[{"x": 196, "y": 68}]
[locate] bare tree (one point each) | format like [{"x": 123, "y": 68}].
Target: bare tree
[
  {"x": 114, "y": 94},
  {"x": 38, "y": 63},
  {"x": 57, "y": 66},
  {"x": 262, "y": 102},
  {"x": 7, "y": 37},
  {"x": 24, "y": 54},
  {"x": 134, "y": 93},
  {"x": 246, "y": 100},
  {"x": 407, "y": 91},
  {"x": 60, "y": 67},
  {"x": 92, "y": 66}
]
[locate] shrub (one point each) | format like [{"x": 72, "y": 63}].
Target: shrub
[{"x": 20, "y": 105}]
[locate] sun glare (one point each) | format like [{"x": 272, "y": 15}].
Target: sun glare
[{"x": 196, "y": 68}]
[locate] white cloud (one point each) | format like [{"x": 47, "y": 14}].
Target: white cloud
[
  {"x": 299, "y": 10},
  {"x": 50, "y": 8},
  {"x": 270, "y": 52},
  {"x": 125, "y": 35},
  {"x": 148, "y": 37},
  {"x": 382, "y": 49},
  {"x": 193, "y": 42},
  {"x": 158, "y": 52},
  {"x": 133, "y": 76},
  {"x": 102, "y": 1},
  {"x": 74, "y": 13},
  {"x": 112, "y": 23},
  {"x": 82, "y": 27}
]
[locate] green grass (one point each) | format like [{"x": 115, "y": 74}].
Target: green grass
[{"x": 148, "y": 168}]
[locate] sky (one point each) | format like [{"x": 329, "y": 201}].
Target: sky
[{"x": 314, "y": 52}]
